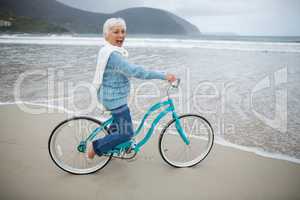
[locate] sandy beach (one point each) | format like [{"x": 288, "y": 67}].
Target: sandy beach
[{"x": 27, "y": 172}]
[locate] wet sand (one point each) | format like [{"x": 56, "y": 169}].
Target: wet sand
[{"x": 27, "y": 172}]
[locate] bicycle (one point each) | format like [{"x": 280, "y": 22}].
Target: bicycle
[{"x": 67, "y": 146}]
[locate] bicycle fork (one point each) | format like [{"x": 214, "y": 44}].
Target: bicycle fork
[{"x": 180, "y": 129}]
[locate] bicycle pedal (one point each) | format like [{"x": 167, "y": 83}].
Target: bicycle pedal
[{"x": 129, "y": 150}]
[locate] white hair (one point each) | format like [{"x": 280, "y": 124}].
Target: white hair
[{"x": 109, "y": 23}]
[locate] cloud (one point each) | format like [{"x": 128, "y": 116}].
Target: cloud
[
  {"x": 193, "y": 7},
  {"x": 266, "y": 17}
]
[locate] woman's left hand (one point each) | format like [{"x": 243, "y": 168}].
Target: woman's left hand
[{"x": 170, "y": 77}]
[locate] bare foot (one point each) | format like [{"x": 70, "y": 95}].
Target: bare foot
[{"x": 91, "y": 153}]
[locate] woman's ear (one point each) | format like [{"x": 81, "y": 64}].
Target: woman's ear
[{"x": 106, "y": 37}]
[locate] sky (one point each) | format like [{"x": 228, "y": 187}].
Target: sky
[{"x": 255, "y": 17}]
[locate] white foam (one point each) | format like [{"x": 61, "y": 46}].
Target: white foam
[
  {"x": 156, "y": 43},
  {"x": 257, "y": 151},
  {"x": 51, "y": 107},
  {"x": 51, "y": 40},
  {"x": 38, "y": 104},
  {"x": 216, "y": 44}
]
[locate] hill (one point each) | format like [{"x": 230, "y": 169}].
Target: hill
[{"x": 139, "y": 20}]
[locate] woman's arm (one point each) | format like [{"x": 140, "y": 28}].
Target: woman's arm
[{"x": 131, "y": 70}]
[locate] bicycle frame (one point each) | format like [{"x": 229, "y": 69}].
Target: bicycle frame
[{"x": 153, "y": 108}]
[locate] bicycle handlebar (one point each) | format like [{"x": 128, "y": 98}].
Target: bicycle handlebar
[{"x": 175, "y": 84}]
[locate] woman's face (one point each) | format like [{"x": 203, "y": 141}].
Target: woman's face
[{"x": 116, "y": 35}]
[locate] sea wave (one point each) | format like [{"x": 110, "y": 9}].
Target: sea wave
[
  {"x": 288, "y": 47},
  {"x": 257, "y": 151}
]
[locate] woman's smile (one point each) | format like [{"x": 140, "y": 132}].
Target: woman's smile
[{"x": 119, "y": 42}]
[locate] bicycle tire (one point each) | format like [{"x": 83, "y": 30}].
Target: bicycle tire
[
  {"x": 54, "y": 148},
  {"x": 164, "y": 136}
]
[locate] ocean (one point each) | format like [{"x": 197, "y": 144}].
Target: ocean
[{"x": 247, "y": 87}]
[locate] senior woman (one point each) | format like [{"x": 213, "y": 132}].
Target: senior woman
[{"x": 115, "y": 86}]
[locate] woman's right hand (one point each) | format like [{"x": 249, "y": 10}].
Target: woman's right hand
[{"x": 171, "y": 78}]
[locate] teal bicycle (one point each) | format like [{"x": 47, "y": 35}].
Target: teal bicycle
[{"x": 184, "y": 141}]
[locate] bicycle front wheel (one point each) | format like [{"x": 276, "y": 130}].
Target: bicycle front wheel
[
  {"x": 65, "y": 150},
  {"x": 176, "y": 152}
]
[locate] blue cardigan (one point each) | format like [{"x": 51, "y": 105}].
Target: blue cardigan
[{"x": 115, "y": 86}]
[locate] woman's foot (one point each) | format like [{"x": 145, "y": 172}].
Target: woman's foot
[{"x": 91, "y": 153}]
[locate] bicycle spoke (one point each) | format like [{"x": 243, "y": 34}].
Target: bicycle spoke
[
  {"x": 198, "y": 132},
  {"x": 64, "y": 141}
]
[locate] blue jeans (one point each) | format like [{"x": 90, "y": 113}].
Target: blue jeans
[{"x": 120, "y": 131}]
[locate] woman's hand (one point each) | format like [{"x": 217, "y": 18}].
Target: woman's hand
[{"x": 170, "y": 77}]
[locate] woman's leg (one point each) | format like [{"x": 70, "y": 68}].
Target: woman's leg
[
  {"x": 112, "y": 128},
  {"x": 121, "y": 131}
]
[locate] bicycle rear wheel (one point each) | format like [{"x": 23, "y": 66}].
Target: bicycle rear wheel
[
  {"x": 64, "y": 141},
  {"x": 173, "y": 149}
]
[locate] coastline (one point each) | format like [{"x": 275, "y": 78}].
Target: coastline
[{"x": 227, "y": 173}]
